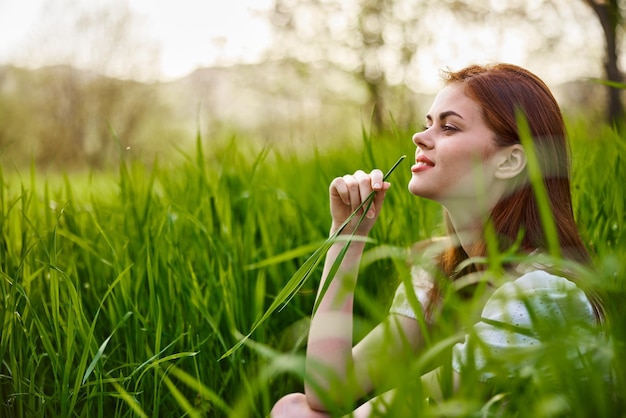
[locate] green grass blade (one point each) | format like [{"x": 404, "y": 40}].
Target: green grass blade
[
  {"x": 287, "y": 255},
  {"x": 203, "y": 391},
  {"x": 102, "y": 347},
  {"x": 130, "y": 400},
  {"x": 179, "y": 397},
  {"x": 539, "y": 189}
]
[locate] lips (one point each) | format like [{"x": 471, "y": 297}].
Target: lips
[{"x": 422, "y": 163}]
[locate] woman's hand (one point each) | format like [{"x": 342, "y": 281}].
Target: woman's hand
[{"x": 349, "y": 191}]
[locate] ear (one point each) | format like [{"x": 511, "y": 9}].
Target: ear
[{"x": 511, "y": 161}]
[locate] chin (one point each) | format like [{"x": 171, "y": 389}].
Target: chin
[{"x": 421, "y": 192}]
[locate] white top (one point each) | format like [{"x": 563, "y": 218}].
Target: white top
[{"x": 516, "y": 318}]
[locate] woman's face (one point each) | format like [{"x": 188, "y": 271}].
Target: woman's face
[{"x": 453, "y": 158}]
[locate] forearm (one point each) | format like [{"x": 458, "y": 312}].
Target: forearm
[
  {"x": 329, "y": 362},
  {"x": 329, "y": 350}
]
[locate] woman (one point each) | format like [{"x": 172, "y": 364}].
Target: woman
[{"x": 470, "y": 158}]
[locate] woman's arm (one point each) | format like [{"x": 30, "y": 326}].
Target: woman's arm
[
  {"x": 329, "y": 360},
  {"x": 343, "y": 374},
  {"x": 334, "y": 367},
  {"x": 338, "y": 374},
  {"x": 335, "y": 375}
]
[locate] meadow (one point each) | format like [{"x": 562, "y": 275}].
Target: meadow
[{"x": 122, "y": 291}]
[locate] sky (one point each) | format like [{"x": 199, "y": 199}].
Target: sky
[
  {"x": 196, "y": 33},
  {"x": 190, "y": 33}
]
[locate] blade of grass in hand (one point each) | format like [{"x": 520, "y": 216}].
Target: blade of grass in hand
[
  {"x": 335, "y": 267},
  {"x": 304, "y": 272}
]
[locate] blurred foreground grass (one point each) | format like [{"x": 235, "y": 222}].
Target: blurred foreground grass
[{"x": 121, "y": 291}]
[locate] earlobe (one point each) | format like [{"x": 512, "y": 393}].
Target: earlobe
[{"x": 511, "y": 163}]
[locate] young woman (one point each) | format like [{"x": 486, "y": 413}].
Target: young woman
[{"x": 470, "y": 159}]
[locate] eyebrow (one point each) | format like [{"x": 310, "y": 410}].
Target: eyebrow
[{"x": 444, "y": 115}]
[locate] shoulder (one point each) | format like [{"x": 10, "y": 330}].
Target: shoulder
[
  {"x": 521, "y": 316},
  {"x": 540, "y": 296},
  {"x": 537, "y": 280}
]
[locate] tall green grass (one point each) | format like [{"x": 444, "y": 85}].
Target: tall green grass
[{"x": 122, "y": 291}]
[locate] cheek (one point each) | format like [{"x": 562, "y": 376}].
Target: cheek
[
  {"x": 461, "y": 161},
  {"x": 463, "y": 166}
]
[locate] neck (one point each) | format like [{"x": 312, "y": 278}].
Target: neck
[
  {"x": 467, "y": 234},
  {"x": 468, "y": 223},
  {"x": 469, "y": 214}
]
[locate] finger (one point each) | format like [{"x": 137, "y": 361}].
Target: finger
[
  {"x": 380, "y": 196},
  {"x": 377, "y": 179},
  {"x": 365, "y": 184},
  {"x": 353, "y": 191},
  {"x": 339, "y": 188},
  {"x": 365, "y": 189}
]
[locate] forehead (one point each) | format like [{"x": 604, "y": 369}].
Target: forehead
[{"x": 453, "y": 98}]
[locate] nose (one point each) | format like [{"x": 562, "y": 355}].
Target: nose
[{"x": 422, "y": 140}]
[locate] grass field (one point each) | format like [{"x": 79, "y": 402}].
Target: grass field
[{"x": 122, "y": 291}]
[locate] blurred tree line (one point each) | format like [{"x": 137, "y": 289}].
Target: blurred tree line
[
  {"x": 368, "y": 54},
  {"x": 379, "y": 40},
  {"x": 61, "y": 117},
  {"x": 80, "y": 113}
]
